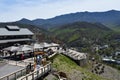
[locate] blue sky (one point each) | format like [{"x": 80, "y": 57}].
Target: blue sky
[{"x": 12, "y": 10}]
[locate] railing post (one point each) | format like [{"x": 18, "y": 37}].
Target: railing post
[
  {"x": 15, "y": 76},
  {"x": 41, "y": 71},
  {"x": 21, "y": 72},
  {"x": 32, "y": 76},
  {"x": 37, "y": 73},
  {"x": 26, "y": 77},
  {"x": 48, "y": 67},
  {"x": 44, "y": 69},
  {"x": 16, "y": 63},
  {"x": 8, "y": 61},
  {"x": 7, "y": 77}
]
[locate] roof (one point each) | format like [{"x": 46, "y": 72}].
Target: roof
[
  {"x": 14, "y": 40},
  {"x": 21, "y": 31},
  {"x": 25, "y": 48},
  {"x": 54, "y": 44},
  {"x": 37, "y": 46},
  {"x": 44, "y": 44},
  {"x": 11, "y": 48}
]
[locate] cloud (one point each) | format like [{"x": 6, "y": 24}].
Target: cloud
[{"x": 12, "y": 10}]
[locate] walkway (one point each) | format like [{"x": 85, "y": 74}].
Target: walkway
[
  {"x": 21, "y": 73},
  {"x": 7, "y": 69},
  {"x": 37, "y": 73}
]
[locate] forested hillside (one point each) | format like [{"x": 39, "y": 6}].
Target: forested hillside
[{"x": 80, "y": 33}]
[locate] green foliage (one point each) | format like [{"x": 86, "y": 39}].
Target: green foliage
[
  {"x": 74, "y": 37},
  {"x": 116, "y": 28},
  {"x": 79, "y": 33},
  {"x": 64, "y": 64}
]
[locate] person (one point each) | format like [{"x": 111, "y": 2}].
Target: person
[
  {"x": 10, "y": 53},
  {"x": 39, "y": 57},
  {"x": 38, "y": 68},
  {"x": 34, "y": 65},
  {"x": 22, "y": 56},
  {"x": 43, "y": 61},
  {"x": 27, "y": 69},
  {"x": 58, "y": 48},
  {"x": 30, "y": 66}
]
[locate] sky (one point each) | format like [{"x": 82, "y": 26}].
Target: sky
[{"x": 13, "y": 10}]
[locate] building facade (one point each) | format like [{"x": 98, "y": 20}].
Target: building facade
[{"x": 11, "y": 35}]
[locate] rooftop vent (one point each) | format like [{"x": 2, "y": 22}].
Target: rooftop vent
[{"x": 12, "y": 28}]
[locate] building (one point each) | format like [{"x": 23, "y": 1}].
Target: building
[{"x": 11, "y": 35}]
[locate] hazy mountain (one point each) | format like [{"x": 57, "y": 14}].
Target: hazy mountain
[
  {"x": 26, "y": 21},
  {"x": 109, "y": 18}
]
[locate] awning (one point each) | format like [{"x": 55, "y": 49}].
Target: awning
[
  {"x": 54, "y": 44},
  {"x": 12, "y": 48},
  {"x": 44, "y": 44},
  {"x": 25, "y": 48},
  {"x": 37, "y": 46}
]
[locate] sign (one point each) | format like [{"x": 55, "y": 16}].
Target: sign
[{"x": 39, "y": 53}]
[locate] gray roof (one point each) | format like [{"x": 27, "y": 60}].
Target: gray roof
[
  {"x": 22, "y": 31},
  {"x": 14, "y": 40}
]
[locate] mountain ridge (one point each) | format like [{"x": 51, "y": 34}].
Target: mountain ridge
[{"x": 109, "y": 18}]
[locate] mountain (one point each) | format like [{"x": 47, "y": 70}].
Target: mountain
[
  {"x": 82, "y": 33},
  {"x": 109, "y": 18},
  {"x": 26, "y": 21},
  {"x": 33, "y": 22}
]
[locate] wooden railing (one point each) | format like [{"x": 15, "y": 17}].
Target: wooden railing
[
  {"x": 14, "y": 75},
  {"x": 38, "y": 73},
  {"x": 16, "y": 63},
  {"x": 21, "y": 74}
]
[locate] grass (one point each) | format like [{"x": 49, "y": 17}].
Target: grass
[{"x": 64, "y": 64}]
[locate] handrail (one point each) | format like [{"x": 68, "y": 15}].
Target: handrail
[
  {"x": 7, "y": 76},
  {"x": 32, "y": 74},
  {"x": 16, "y": 62}
]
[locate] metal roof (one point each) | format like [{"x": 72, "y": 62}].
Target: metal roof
[
  {"x": 22, "y": 31},
  {"x": 14, "y": 40}
]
